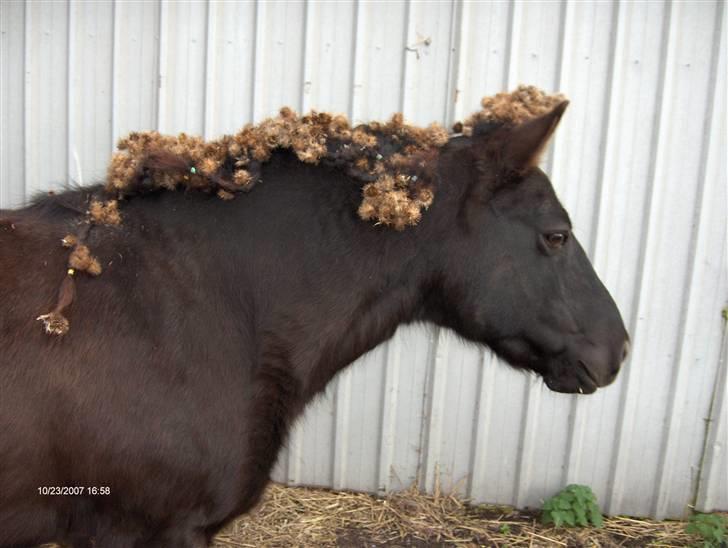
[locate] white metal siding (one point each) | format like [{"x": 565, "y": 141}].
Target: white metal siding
[{"x": 639, "y": 161}]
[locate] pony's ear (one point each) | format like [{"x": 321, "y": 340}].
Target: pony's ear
[{"x": 524, "y": 144}]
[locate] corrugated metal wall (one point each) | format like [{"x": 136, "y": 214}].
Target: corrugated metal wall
[{"x": 639, "y": 161}]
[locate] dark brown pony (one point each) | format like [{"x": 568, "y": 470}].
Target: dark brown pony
[{"x": 215, "y": 322}]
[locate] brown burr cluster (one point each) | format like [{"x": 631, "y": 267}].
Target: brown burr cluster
[{"x": 394, "y": 161}]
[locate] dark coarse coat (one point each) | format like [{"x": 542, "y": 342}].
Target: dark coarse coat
[{"x": 214, "y": 322}]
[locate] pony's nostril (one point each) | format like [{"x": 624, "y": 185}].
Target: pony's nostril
[{"x": 625, "y": 350}]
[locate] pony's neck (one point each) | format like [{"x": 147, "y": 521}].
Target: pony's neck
[
  {"x": 373, "y": 320},
  {"x": 391, "y": 279}
]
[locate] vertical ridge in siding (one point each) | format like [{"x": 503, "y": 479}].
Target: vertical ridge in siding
[
  {"x": 515, "y": 16},
  {"x": 619, "y": 203},
  {"x": 710, "y": 497},
  {"x": 669, "y": 479},
  {"x": 209, "y": 100},
  {"x": 577, "y": 170},
  {"x": 341, "y": 431},
  {"x": 70, "y": 50},
  {"x": 482, "y": 420},
  {"x": 325, "y": 81},
  {"x": 343, "y": 379},
  {"x": 612, "y": 78},
  {"x": 355, "y": 55},
  {"x": 328, "y": 65},
  {"x": 407, "y": 32},
  {"x": 256, "y": 68},
  {"x": 302, "y": 426},
  {"x": 232, "y": 36},
  {"x": 305, "y": 57},
  {"x": 537, "y": 59},
  {"x": 162, "y": 68},
  {"x": 115, "y": 38},
  {"x": 91, "y": 51},
  {"x": 47, "y": 122},
  {"x": 457, "y": 42},
  {"x": 27, "y": 110},
  {"x": 484, "y": 54},
  {"x": 629, "y": 396},
  {"x": 713, "y": 467},
  {"x": 12, "y": 97},
  {"x": 666, "y": 259},
  {"x": 135, "y": 77},
  {"x": 428, "y": 54},
  {"x": 183, "y": 83},
  {"x": 359, "y": 418},
  {"x": 390, "y": 401},
  {"x": 278, "y": 69},
  {"x": 433, "y": 404},
  {"x": 415, "y": 353}
]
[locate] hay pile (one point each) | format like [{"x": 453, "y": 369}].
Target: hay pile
[
  {"x": 303, "y": 517},
  {"x": 291, "y": 516}
]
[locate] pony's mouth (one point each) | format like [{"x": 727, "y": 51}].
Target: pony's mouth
[
  {"x": 578, "y": 381},
  {"x": 559, "y": 373},
  {"x": 585, "y": 369}
]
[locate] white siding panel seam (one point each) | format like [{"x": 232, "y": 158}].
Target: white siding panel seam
[
  {"x": 602, "y": 185},
  {"x": 456, "y": 46},
  {"x": 256, "y": 69},
  {"x": 512, "y": 39},
  {"x": 629, "y": 403},
  {"x": 672, "y": 421},
  {"x": 460, "y": 43},
  {"x": 711, "y": 492},
  {"x": 162, "y": 68},
  {"x": 208, "y": 99},
  {"x": 113, "y": 68},
  {"x": 71, "y": 152},
  {"x": 679, "y": 384},
  {"x": 706, "y": 485},
  {"x": 355, "y": 47},
  {"x": 427, "y": 464},
  {"x": 474, "y": 430},
  {"x": 27, "y": 107},
  {"x": 403, "y": 55},
  {"x": 27, "y": 110},
  {"x": 306, "y": 58}
]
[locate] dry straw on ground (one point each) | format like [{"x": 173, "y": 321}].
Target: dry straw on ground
[
  {"x": 295, "y": 516},
  {"x": 303, "y": 517}
]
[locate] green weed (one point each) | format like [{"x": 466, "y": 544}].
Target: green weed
[
  {"x": 575, "y": 506},
  {"x": 710, "y": 527}
]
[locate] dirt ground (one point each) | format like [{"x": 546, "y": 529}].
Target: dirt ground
[{"x": 296, "y": 516}]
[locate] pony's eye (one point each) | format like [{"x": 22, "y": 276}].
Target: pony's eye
[{"x": 556, "y": 239}]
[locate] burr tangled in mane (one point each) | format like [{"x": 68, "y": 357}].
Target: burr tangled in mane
[
  {"x": 513, "y": 108},
  {"x": 390, "y": 158},
  {"x": 395, "y": 162}
]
